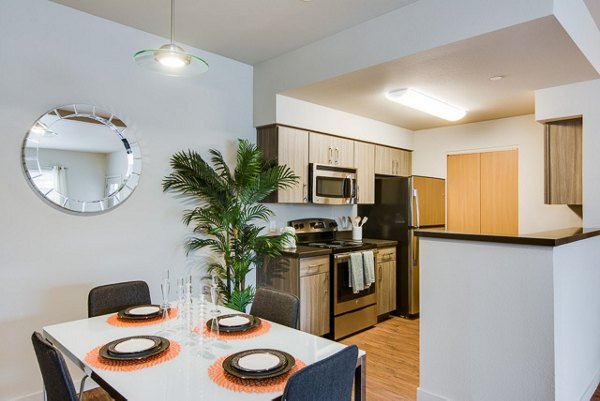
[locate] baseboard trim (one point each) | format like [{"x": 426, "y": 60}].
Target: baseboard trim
[
  {"x": 424, "y": 395},
  {"x": 589, "y": 392}
]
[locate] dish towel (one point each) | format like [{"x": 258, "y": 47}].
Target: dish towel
[
  {"x": 355, "y": 266},
  {"x": 369, "y": 268}
]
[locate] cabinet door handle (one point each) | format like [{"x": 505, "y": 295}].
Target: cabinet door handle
[
  {"x": 330, "y": 154},
  {"x": 337, "y": 155},
  {"x": 304, "y": 193}
]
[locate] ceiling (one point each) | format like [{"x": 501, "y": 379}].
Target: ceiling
[{"x": 530, "y": 56}]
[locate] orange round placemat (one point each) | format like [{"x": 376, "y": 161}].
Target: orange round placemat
[
  {"x": 115, "y": 321},
  {"x": 271, "y": 385},
  {"x": 239, "y": 335},
  {"x": 94, "y": 359}
]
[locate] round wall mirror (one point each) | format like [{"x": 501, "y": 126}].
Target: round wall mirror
[{"x": 78, "y": 158}]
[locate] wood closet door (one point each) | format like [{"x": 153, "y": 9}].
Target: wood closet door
[
  {"x": 463, "y": 182},
  {"x": 500, "y": 192}
]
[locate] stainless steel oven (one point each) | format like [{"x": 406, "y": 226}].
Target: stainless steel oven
[
  {"x": 332, "y": 185},
  {"x": 351, "y": 311}
]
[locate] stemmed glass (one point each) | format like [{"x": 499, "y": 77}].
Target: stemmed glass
[
  {"x": 165, "y": 289},
  {"x": 214, "y": 297}
]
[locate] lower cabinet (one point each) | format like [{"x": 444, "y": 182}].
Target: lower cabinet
[
  {"x": 314, "y": 295},
  {"x": 308, "y": 279},
  {"x": 386, "y": 280}
]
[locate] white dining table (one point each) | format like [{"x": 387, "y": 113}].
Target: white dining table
[{"x": 185, "y": 377}]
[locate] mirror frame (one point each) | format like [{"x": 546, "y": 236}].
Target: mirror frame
[{"x": 109, "y": 120}]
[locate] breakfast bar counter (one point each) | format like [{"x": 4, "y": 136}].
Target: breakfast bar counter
[{"x": 509, "y": 317}]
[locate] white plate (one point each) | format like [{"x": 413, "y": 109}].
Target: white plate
[
  {"x": 143, "y": 310},
  {"x": 258, "y": 361},
  {"x": 134, "y": 345},
  {"x": 234, "y": 321}
]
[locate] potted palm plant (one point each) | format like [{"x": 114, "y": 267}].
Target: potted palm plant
[{"x": 226, "y": 210}]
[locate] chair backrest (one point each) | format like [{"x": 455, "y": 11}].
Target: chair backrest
[
  {"x": 115, "y": 297},
  {"x": 329, "y": 379},
  {"x": 57, "y": 380},
  {"x": 276, "y": 306}
]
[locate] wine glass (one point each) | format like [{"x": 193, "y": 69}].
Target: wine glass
[
  {"x": 165, "y": 289},
  {"x": 214, "y": 297}
]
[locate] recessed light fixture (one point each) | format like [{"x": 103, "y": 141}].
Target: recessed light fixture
[
  {"x": 419, "y": 101},
  {"x": 496, "y": 77},
  {"x": 171, "y": 59}
]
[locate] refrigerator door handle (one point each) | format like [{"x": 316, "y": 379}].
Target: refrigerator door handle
[{"x": 416, "y": 196}]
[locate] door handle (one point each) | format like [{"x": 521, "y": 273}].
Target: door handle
[
  {"x": 337, "y": 155},
  {"x": 330, "y": 154},
  {"x": 304, "y": 195}
]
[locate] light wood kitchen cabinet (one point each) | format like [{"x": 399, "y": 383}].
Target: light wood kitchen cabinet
[
  {"x": 563, "y": 158},
  {"x": 483, "y": 193},
  {"x": 287, "y": 146},
  {"x": 391, "y": 161},
  {"x": 386, "y": 280},
  {"x": 331, "y": 150},
  {"x": 314, "y": 295},
  {"x": 306, "y": 278},
  {"x": 364, "y": 161}
]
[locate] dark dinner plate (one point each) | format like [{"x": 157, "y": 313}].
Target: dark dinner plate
[
  {"x": 289, "y": 363},
  {"x": 253, "y": 322},
  {"x": 127, "y": 315},
  {"x": 108, "y": 350}
]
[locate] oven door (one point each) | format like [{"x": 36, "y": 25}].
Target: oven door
[
  {"x": 344, "y": 298},
  {"x": 332, "y": 185}
]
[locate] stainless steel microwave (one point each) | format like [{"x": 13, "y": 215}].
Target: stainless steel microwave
[{"x": 331, "y": 185}]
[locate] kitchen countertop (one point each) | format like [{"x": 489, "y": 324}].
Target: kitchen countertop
[{"x": 546, "y": 238}]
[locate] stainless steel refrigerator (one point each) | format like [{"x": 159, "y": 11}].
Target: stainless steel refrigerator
[{"x": 403, "y": 204}]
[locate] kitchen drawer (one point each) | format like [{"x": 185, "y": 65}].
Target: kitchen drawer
[
  {"x": 314, "y": 265},
  {"x": 386, "y": 255}
]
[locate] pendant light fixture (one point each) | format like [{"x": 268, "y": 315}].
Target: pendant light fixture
[
  {"x": 419, "y": 101},
  {"x": 171, "y": 59}
]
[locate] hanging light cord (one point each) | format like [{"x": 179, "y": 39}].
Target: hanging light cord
[{"x": 171, "y": 21}]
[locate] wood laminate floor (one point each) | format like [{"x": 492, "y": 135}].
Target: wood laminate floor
[{"x": 392, "y": 361}]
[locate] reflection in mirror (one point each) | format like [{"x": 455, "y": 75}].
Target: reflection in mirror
[{"x": 78, "y": 158}]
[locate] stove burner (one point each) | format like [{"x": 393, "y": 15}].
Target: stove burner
[{"x": 336, "y": 244}]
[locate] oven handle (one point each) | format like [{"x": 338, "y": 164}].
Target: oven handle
[{"x": 346, "y": 255}]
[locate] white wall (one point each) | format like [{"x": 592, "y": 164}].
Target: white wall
[
  {"x": 577, "y": 319},
  {"x": 509, "y": 322},
  {"x": 486, "y": 322},
  {"x": 53, "y": 55},
  {"x": 432, "y": 146},
  {"x": 580, "y": 99}
]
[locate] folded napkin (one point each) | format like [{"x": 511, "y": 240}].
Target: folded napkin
[
  {"x": 356, "y": 272},
  {"x": 368, "y": 268}
]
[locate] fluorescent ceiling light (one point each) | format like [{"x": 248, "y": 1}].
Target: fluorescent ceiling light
[{"x": 427, "y": 104}]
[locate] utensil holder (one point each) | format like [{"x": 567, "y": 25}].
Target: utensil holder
[{"x": 356, "y": 233}]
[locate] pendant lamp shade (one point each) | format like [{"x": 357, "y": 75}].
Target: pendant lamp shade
[{"x": 170, "y": 59}]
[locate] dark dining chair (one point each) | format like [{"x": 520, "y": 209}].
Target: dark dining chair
[
  {"x": 58, "y": 384},
  {"x": 329, "y": 379},
  {"x": 276, "y": 306},
  {"x": 118, "y": 296}
]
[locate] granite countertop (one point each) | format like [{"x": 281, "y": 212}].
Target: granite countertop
[{"x": 546, "y": 238}]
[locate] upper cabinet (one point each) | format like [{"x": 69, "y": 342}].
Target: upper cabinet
[
  {"x": 287, "y": 146},
  {"x": 364, "y": 161},
  {"x": 563, "y": 156},
  {"x": 391, "y": 161},
  {"x": 327, "y": 149}
]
